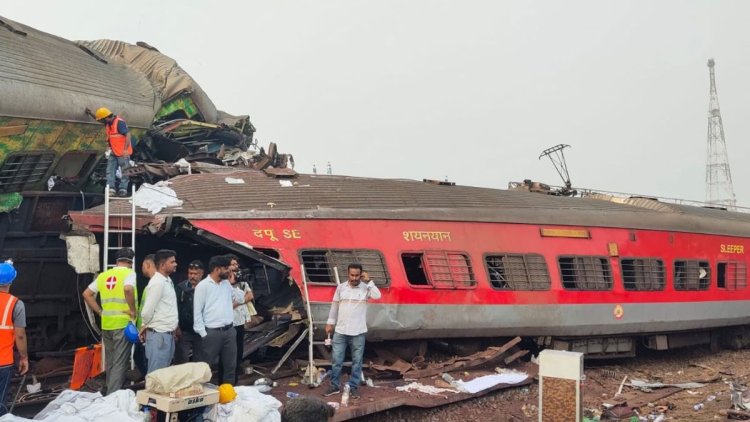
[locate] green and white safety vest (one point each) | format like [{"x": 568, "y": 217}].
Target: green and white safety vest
[{"x": 115, "y": 309}]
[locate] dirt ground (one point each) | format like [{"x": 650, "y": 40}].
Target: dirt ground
[{"x": 603, "y": 379}]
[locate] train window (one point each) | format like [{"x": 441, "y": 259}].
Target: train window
[
  {"x": 517, "y": 272},
  {"x": 320, "y": 264},
  {"x": 585, "y": 273},
  {"x": 20, "y": 169},
  {"x": 439, "y": 269},
  {"x": 642, "y": 274},
  {"x": 692, "y": 275},
  {"x": 76, "y": 165},
  {"x": 731, "y": 275}
]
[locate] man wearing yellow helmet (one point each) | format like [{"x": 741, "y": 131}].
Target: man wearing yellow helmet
[{"x": 120, "y": 148}]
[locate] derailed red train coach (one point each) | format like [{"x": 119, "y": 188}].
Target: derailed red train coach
[{"x": 455, "y": 261}]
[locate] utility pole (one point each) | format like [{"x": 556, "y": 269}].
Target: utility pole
[{"x": 719, "y": 190}]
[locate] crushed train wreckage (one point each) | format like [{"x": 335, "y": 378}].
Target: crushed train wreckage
[{"x": 52, "y": 154}]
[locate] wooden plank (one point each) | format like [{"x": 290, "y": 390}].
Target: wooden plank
[
  {"x": 515, "y": 356},
  {"x": 12, "y": 130}
]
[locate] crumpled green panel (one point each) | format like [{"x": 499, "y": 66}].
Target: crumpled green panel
[{"x": 10, "y": 201}]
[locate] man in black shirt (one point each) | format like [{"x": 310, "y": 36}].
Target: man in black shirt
[{"x": 188, "y": 338}]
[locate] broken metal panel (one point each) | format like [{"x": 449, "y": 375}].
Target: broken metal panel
[
  {"x": 10, "y": 201},
  {"x": 217, "y": 240},
  {"x": 177, "y": 139},
  {"x": 180, "y": 106}
]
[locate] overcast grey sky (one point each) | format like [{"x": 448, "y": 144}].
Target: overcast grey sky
[{"x": 471, "y": 90}]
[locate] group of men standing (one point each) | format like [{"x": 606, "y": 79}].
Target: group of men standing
[{"x": 205, "y": 316}]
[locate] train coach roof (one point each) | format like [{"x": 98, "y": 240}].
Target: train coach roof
[
  {"x": 210, "y": 196},
  {"x": 47, "y": 77}
]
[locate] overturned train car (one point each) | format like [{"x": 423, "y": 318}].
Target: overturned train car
[
  {"x": 456, "y": 261},
  {"x": 52, "y": 154}
]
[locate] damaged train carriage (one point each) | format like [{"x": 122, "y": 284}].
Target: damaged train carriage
[
  {"x": 582, "y": 274},
  {"x": 52, "y": 153}
]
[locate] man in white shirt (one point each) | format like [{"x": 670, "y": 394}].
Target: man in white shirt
[
  {"x": 349, "y": 315},
  {"x": 213, "y": 318},
  {"x": 159, "y": 313}
]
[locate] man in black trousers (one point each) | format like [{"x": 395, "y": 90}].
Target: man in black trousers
[{"x": 213, "y": 318}]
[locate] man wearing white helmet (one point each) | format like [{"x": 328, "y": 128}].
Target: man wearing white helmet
[
  {"x": 116, "y": 288},
  {"x": 12, "y": 332}
]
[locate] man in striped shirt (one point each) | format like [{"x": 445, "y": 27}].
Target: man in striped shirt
[{"x": 349, "y": 315}]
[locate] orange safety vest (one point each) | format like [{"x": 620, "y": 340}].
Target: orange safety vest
[
  {"x": 7, "y": 330},
  {"x": 117, "y": 140}
]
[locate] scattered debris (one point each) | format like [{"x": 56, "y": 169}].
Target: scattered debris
[
  {"x": 471, "y": 361},
  {"x": 623, "y": 405},
  {"x": 387, "y": 361}
]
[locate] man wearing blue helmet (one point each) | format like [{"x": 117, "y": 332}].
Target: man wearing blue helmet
[
  {"x": 12, "y": 331},
  {"x": 117, "y": 290}
]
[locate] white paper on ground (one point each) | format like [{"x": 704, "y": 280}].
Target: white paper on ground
[
  {"x": 427, "y": 389},
  {"x": 286, "y": 183},
  {"x": 234, "y": 181},
  {"x": 482, "y": 383}
]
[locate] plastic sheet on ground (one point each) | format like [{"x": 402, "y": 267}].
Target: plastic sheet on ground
[
  {"x": 156, "y": 197},
  {"x": 250, "y": 406},
  {"x": 482, "y": 383},
  {"x": 78, "y": 406}
]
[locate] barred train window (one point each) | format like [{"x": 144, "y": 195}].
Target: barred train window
[
  {"x": 439, "y": 269},
  {"x": 585, "y": 273},
  {"x": 517, "y": 272},
  {"x": 20, "y": 169},
  {"x": 319, "y": 265},
  {"x": 642, "y": 274},
  {"x": 731, "y": 275},
  {"x": 692, "y": 275}
]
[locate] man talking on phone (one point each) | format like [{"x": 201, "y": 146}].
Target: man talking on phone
[{"x": 349, "y": 316}]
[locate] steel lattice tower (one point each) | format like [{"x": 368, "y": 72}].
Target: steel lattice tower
[{"x": 719, "y": 190}]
